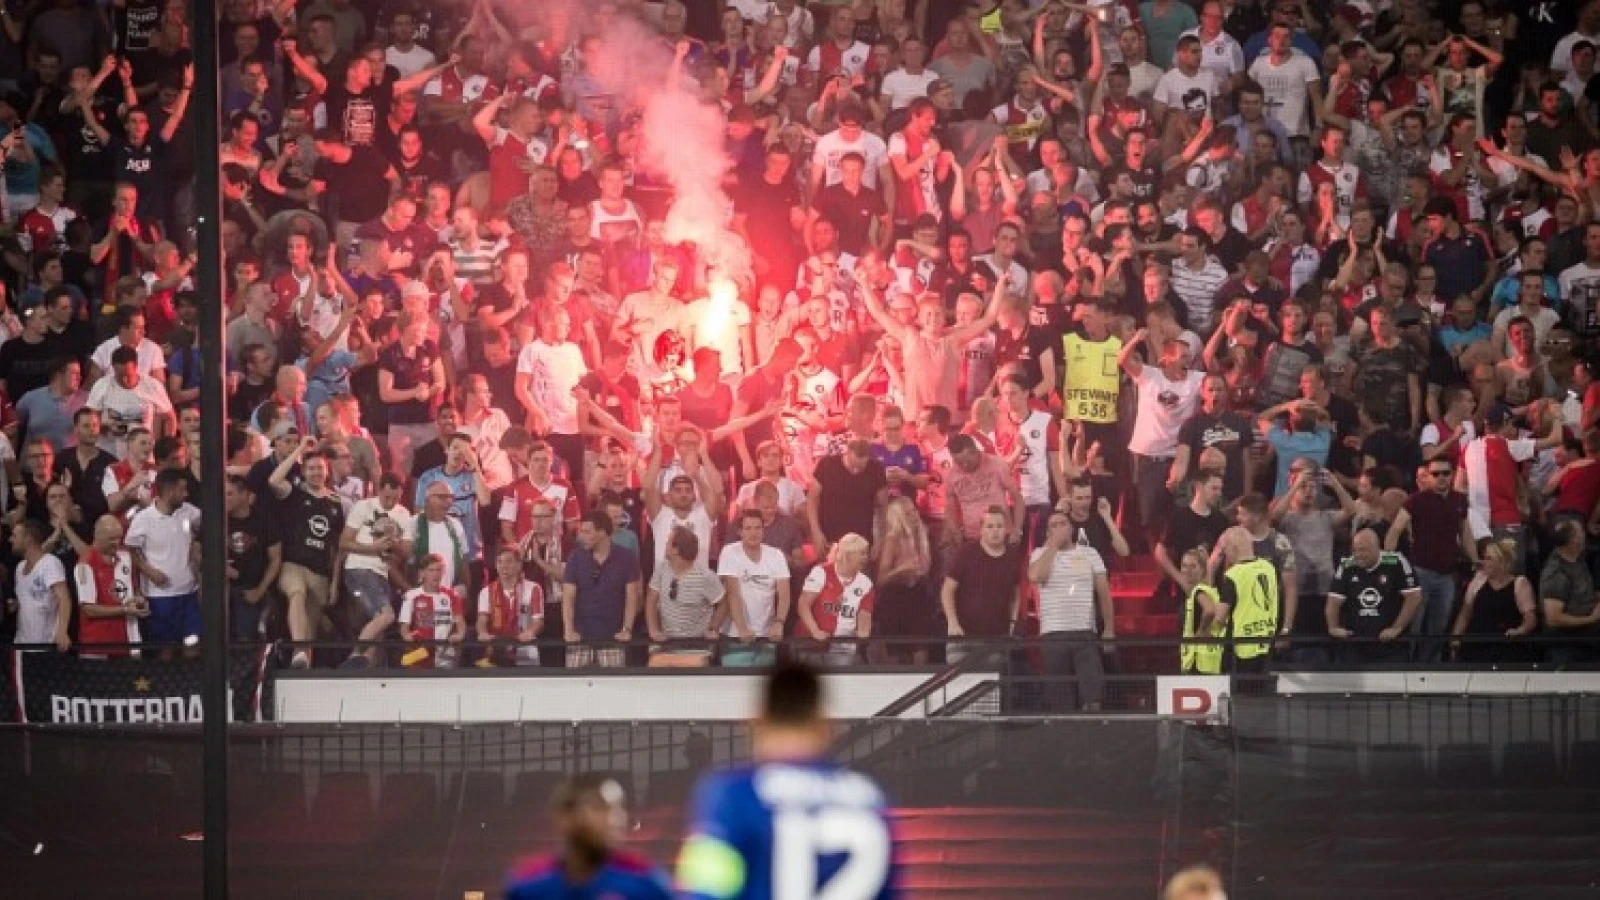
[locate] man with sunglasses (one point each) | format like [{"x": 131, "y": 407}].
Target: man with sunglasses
[{"x": 1437, "y": 517}]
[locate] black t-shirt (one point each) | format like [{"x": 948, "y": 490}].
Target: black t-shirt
[
  {"x": 581, "y": 190},
  {"x": 985, "y": 587},
  {"x": 88, "y": 159},
  {"x": 766, "y": 209},
  {"x": 312, "y": 527},
  {"x": 1025, "y": 348},
  {"x": 848, "y": 499},
  {"x": 851, "y": 214},
  {"x": 416, "y": 174},
  {"x": 410, "y": 372},
  {"x": 25, "y": 366},
  {"x": 86, "y": 481},
  {"x": 143, "y": 167},
  {"x": 1187, "y": 530},
  {"x": 357, "y": 117},
  {"x": 1231, "y": 249},
  {"x": 1391, "y": 448},
  {"x": 357, "y": 190},
  {"x": 249, "y": 396},
  {"x": 1095, "y": 527},
  {"x": 427, "y": 456},
  {"x": 1229, "y": 432},
  {"x": 1346, "y": 420},
  {"x": 1146, "y": 179},
  {"x": 1372, "y": 597},
  {"x": 249, "y": 537}
]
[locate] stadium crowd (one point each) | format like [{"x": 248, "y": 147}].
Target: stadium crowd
[{"x": 1296, "y": 302}]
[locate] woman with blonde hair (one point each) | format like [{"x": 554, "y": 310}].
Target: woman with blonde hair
[
  {"x": 1204, "y": 615},
  {"x": 1499, "y": 604},
  {"x": 902, "y": 561},
  {"x": 837, "y": 602}
]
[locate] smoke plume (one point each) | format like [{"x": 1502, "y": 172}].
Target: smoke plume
[{"x": 681, "y": 137}]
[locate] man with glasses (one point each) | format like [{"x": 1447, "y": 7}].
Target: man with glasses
[{"x": 1437, "y": 518}]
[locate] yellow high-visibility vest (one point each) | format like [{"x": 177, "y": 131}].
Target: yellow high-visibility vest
[
  {"x": 1093, "y": 379},
  {"x": 1201, "y": 659},
  {"x": 1255, "y": 609}
]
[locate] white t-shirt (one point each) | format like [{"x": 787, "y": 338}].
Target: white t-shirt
[
  {"x": 164, "y": 540},
  {"x": 831, "y": 147},
  {"x": 609, "y": 227},
  {"x": 1192, "y": 93},
  {"x": 151, "y": 359},
  {"x": 553, "y": 373},
  {"x": 38, "y": 615},
  {"x": 122, "y": 410},
  {"x": 902, "y": 87},
  {"x": 363, "y": 517},
  {"x": 696, "y": 521},
  {"x": 1286, "y": 89},
  {"x": 758, "y": 582},
  {"x": 1066, "y": 600},
  {"x": 409, "y": 62},
  {"x": 1143, "y": 78},
  {"x": 1164, "y": 405},
  {"x": 440, "y": 543},
  {"x": 1221, "y": 55}
]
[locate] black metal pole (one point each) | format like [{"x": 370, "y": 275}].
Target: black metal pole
[{"x": 203, "y": 106}]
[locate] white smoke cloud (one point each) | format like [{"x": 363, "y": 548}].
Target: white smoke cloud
[{"x": 682, "y": 137}]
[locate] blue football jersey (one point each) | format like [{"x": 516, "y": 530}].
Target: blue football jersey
[
  {"x": 625, "y": 876},
  {"x": 788, "y": 831}
]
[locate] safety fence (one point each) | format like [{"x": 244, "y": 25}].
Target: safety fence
[{"x": 1293, "y": 797}]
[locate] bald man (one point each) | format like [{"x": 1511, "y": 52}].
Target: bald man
[{"x": 1249, "y": 589}]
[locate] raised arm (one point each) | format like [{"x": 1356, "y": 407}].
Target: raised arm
[{"x": 964, "y": 333}]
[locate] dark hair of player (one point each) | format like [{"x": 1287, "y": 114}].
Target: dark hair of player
[
  {"x": 585, "y": 784},
  {"x": 793, "y": 696}
]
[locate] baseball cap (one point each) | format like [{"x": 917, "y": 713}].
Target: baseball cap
[
  {"x": 1497, "y": 416},
  {"x": 284, "y": 428},
  {"x": 415, "y": 289}
]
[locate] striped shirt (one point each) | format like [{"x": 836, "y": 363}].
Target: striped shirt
[
  {"x": 477, "y": 265},
  {"x": 685, "y": 602},
  {"x": 1066, "y": 600},
  {"x": 1197, "y": 290}
]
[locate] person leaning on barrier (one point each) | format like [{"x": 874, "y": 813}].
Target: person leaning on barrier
[
  {"x": 1072, "y": 581},
  {"x": 600, "y": 593}
]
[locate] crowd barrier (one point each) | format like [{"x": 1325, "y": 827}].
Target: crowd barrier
[
  {"x": 1293, "y": 798},
  {"x": 875, "y": 678}
]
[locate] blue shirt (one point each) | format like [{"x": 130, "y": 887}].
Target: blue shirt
[
  {"x": 1508, "y": 290},
  {"x": 329, "y": 379},
  {"x": 832, "y": 822},
  {"x": 1295, "y": 445},
  {"x": 463, "y": 502},
  {"x": 623, "y": 877},
  {"x": 1257, "y": 45},
  {"x": 1453, "y": 338},
  {"x": 602, "y": 591}
]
